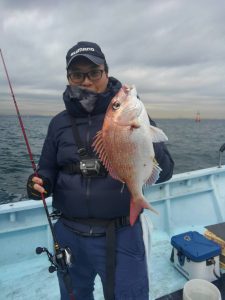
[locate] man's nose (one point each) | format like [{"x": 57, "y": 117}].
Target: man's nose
[{"x": 86, "y": 80}]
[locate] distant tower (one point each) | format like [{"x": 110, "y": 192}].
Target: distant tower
[{"x": 197, "y": 118}]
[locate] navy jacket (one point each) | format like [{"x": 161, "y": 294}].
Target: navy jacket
[{"x": 73, "y": 194}]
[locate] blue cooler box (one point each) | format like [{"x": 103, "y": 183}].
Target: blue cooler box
[{"x": 195, "y": 256}]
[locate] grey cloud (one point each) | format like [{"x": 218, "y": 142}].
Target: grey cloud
[{"x": 173, "y": 49}]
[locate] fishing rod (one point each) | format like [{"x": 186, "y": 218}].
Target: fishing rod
[{"x": 63, "y": 257}]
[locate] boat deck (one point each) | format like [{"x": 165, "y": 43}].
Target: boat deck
[
  {"x": 188, "y": 202},
  {"x": 30, "y": 279}
]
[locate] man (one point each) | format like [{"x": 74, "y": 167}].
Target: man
[{"x": 94, "y": 220}]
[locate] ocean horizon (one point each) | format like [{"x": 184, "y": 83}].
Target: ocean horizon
[{"x": 193, "y": 145}]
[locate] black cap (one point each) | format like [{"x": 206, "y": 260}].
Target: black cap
[{"x": 86, "y": 49}]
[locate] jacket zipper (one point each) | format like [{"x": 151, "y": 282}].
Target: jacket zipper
[{"x": 88, "y": 188}]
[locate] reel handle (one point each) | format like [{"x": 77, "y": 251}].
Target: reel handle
[
  {"x": 52, "y": 269},
  {"x": 40, "y": 250}
]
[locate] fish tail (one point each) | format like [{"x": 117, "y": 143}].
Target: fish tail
[{"x": 136, "y": 208}]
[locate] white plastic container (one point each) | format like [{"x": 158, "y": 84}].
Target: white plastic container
[
  {"x": 199, "y": 289},
  {"x": 191, "y": 269},
  {"x": 195, "y": 256}
]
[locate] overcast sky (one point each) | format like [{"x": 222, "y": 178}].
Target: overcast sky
[{"x": 173, "y": 51}]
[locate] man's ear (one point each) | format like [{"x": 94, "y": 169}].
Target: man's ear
[{"x": 69, "y": 80}]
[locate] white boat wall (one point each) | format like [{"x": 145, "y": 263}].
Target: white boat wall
[{"x": 189, "y": 201}]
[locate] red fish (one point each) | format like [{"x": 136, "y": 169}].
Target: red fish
[{"x": 125, "y": 146}]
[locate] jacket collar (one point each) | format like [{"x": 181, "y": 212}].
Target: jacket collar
[{"x": 74, "y": 107}]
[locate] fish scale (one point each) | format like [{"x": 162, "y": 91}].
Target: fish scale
[{"x": 125, "y": 146}]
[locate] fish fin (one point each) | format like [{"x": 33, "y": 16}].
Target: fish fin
[
  {"x": 114, "y": 175},
  {"x": 155, "y": 173},
  {"x": 99, "y": 148},
  {"x": 157, "y": 135},
  {"x": 136, "y": 208}
]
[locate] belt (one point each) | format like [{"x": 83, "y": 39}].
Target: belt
[
  {"x": 71, "y": 168},
  {"x": 111, "y": 226},
  {"x": 119, "y": 222}
]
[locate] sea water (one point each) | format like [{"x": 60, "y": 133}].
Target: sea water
[{"x": 193, "y": 145}]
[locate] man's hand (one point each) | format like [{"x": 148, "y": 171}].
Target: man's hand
[{"x": 38, "y": 185}]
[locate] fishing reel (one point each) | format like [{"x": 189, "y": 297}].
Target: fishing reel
[{"x": 62, "y": 259}]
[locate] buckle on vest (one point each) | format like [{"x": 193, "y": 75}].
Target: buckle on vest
[
  {"x": 82, "y": 151},
  {"x": 122, "y": 221}
]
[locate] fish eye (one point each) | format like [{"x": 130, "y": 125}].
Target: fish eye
[{"x": 116, "y": 105}]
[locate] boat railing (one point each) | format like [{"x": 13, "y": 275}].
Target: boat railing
[
  {"x": 192, "y": 199},
  {"x": 222, "y": 148},
  {"x": 188, "y": 200}
]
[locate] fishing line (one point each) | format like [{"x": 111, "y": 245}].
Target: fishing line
[{"x": 60, "y": 256}]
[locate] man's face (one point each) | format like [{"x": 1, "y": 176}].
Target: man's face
[{"x": 94, "y": 80}]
